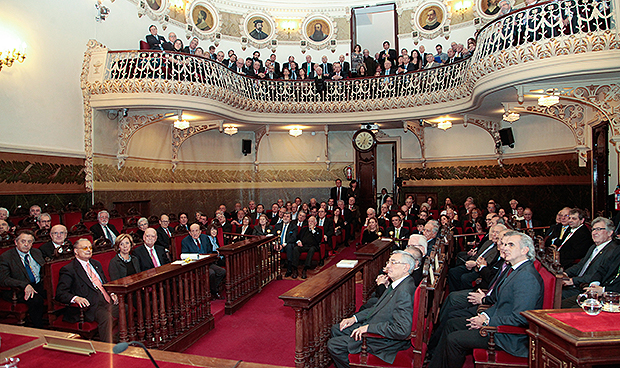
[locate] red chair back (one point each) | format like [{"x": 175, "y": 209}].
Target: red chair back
[
  {"x": 177, "y": 247},
  {"x": 71, "y": 218},
  {"x": 75, "y": 238},
  {"x": 144, "y": 45},
  {"x": 549, "y": 282},
  {"x": 105, "y": 258}
]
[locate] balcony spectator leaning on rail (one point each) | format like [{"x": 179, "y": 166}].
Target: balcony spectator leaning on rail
[{"x": 155, "y": 41}]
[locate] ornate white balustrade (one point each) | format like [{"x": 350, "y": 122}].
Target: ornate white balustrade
[{"x": 556, "y": 28}]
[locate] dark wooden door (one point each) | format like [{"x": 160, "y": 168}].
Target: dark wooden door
[
  {"x": 366, "y": 172},
  {"x": 600, "y": 170}
]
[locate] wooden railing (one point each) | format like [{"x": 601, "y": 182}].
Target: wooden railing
[
  {"x": 318, "y": 303},
  {"x": 250, "y": 265},
  {"x": 376, "y": 255},
  {"x": 167, "y": 307}
]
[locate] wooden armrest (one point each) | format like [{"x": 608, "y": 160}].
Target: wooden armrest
[{"x": 482, "y": 308}]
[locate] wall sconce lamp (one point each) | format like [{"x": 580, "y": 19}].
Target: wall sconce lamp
[{"x": 8, "y": 56}]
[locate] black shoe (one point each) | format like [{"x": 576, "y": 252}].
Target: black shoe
[
  {"x": 321, "y": 262},
  {"x": 294, "y": 273},
  {"x": 288, "y": 273},
  {"x": 303, "y": 274}
]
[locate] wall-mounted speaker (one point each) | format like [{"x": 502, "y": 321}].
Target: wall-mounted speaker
[
  {"x": 246, "y": 146},
  {"x": 507, "y": 138}
]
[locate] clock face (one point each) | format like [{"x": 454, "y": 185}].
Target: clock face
[{"x": 364, "y": 140}]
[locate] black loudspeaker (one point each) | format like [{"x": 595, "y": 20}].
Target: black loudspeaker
[
  {"x": 246, "y": 146},
  {"x": 507, "y": 138}
]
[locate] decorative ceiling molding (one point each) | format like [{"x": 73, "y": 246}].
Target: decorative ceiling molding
[
  {"x": 127, "y": 127},
  {"x": 179, "y": 136},
  {"x": 490, "y": 126},
  {"x": 417, "y": 129}
]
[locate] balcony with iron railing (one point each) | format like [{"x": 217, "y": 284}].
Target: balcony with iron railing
[{"x": 550, "y": 40}]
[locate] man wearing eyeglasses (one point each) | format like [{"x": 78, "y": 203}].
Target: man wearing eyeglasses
[
  {"x": 59, "y": 236},
  {"x": 391, "y": 317},
  {"x": 81, "y": 283},
  {"x": 22, "y": 267}
]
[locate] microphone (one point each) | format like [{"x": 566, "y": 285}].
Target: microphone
[{"x": 122, "y": 346}]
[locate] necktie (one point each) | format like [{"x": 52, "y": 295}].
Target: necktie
[
  {"x": 167, "y": 232},
  {"x": 109, "y": 234},
  {"x": 29, "y": 269},
  {"x": 499, "y": 277},
  {"x": 562, "y": 232},
  {"x": 321, "y": 222},
  {"x": 338, "y": 193},
  {"x": 283, "y": 236},
  {"x": 154, "y": 258},
  {"x": 95, "y": 279},
  {"x": 397, "y": 233},
  {"x": 592, "y": 256},
  {"x": 198, "y": 244}
]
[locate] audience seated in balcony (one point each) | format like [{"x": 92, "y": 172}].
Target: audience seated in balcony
[{"x": 155, "y": 41}]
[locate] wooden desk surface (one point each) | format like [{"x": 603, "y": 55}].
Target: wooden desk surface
[
  {"x": 559, "y": 328},
  {"x": 158, "y": 355}
]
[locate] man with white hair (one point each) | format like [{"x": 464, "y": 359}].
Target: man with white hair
[
  {"x": 58, "y": 235},
  {"x": 430, "y": 233},
  {"x": 4, "y": 215},
  {"x": 103, "y": 229},
  {"x": 418, "y": 241}
]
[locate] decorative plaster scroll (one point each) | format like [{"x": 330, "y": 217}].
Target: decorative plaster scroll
[
  {"x": 181, "y": 135},
  {"x": 258, "y": 136},
  {"x": 327, "y": 161},
  {"x": 127, "y": 127},
  {"x": 91, "y": 47},
  {"x": 571, "y": 114},
  {"x": 418, "y": 130},
  {"x": 492, "y": 127},
  {"x": 605, "y": 98}
]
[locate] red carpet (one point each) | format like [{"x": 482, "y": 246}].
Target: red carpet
[{"x": 262, "y": 331}]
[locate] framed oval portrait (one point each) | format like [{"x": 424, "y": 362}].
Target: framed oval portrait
[
  {"x": 259, "y": 27},
  {"x": 491, "y": 9},
  {"x": 429, "y": 18},
  {"x": 157, "y": 7},
  {"x": 317, "y": 29},
  {"x": 202, "y": 16}
]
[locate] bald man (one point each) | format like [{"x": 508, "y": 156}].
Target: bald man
[
  {"x": 151, "y": 255},
  {"x": 58, "y": 233}
]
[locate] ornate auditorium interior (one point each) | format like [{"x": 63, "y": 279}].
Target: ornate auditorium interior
[{"x": 91, "y": 116}]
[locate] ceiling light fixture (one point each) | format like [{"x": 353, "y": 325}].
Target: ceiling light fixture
[
  {"x": 181, "y": 123},
  {"x": 295, "y": 131},
  {"x": 511, "y": 116},
  {"x": 230, "y": 130},
  {"x": 444, "y": 125},
  {"x": 548, "y": 100}
]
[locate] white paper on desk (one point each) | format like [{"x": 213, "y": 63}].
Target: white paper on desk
[
  {"x": 347, "y": 263},
  {"x": 193, "y": 256},
  {"x": 386, "y": 239},
  {"x": 181, "y": 262}
]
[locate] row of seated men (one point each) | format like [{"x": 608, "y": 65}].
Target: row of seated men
[{"x": 507, "y": 284}]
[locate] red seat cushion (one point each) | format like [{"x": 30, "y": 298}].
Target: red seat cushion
[
  {"x": 549, "y": 287},
  {"x": 404, "y": 359},
  {"x": 7, "y": 306},
  {"x": 481, "y": 356}
]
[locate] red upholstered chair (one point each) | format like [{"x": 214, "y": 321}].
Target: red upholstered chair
[
  {"x": 118, "y": 224},
  {"x": 75, "y": 238},
  {"x": 317, "y": 256},
  {"x": 105, "y": 258},
  {"x": 71, "y": 218},
  {"x": 55, "y": 219},
  {"x": 12, "y": 309},
  {"x": 435, "y": 214},
  {"x": 177, "y": 246},
  {"x": 144, "y": 45},
  {"x": 412, "y": 357}
]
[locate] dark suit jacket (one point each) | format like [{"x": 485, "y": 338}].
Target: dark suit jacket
[
  {"x": 607, "y": 272},
  {"x": 12, "y": 270},
  {"x": 343, "y": 194},
  {"x": 404, "y": 232},
  {"x": 489, "y": 256},
  {"x": 596, "y": 263},
  {"x": 391, "y": 55},
  {"x": 227, "y": 227},
  {"x": 391, "y": 317},
  {"x": 535, "y": 223},
  {"x": 329, "y": 67},
  {"x": 162, "y": 238},
  {"x": 258, "y": 230},
  {"x": 304, "y": 66},
  {"x": 48, "y": 249},
  {"x": 188, "y": 245},
  {"x": 575, "y": 247},
  {"x": 73, "y": 281},
  {"x": 155, "y": 43},
  {"x": 310, "y": 239},
  {"x": 97, "y": 230},
  {"x": 145, "y": 258},
  {"x": 409, "y": 68},
  {"x": 328, "y": 226},
  {"x": 291, "y": 233},
  {"x": 346, "y": 68},
  {"x": 342, "y": 74},
  {"x": 117, "y": 269},
  {"x": 520, "y": 291}
]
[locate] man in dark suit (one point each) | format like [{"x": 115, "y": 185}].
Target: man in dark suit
[
  {"x": 528, "y": 222},
  {"x": 462, "y": 276},
  {"x": 308, "y": 240},
  {"x": 103, "y": 229},
  {"x": 164, "y": 233},
  {"x": 337, "y": 73},
  {"x": 388, "y": 69},
  {"x": 387, "y": 54},
  {"x": 576, "y": 242},
  {"x": 328, "y": 226},
  {"x": 398, "y": 231},
  {"x": 345, "y": 66},
  {"x": 326, "y": 66},
  {"x": 391, "y": 317},
  {"x": 301, "y": 220},
  {"x": 193, "y": 45},
  {"x": 406, "y": 66},
  {"x": 370, "y": 63},
  {"x": 151, "y": 255},
  {"x": 520, "y": 290},
  {"x": 452, "y": 58},
  {"x": 287, "y": 232},
  {"x": 276, "y": 65},
  {"x": 22, "y": 268},
  {"x": 607, "y": 277},
  {"x": 196, "y": 242},
  {"x": 338, "y": 192},
  {"x": 155, "y": 41},
  {"x": 274, "y": 216},
  {"x": 58, "y": 235},
  {"x": 308, "y": 66},
  {"x": 431, "y": 228},
  {"x": 594, "y": 261},
  {"x": 81, "y": 282}
]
